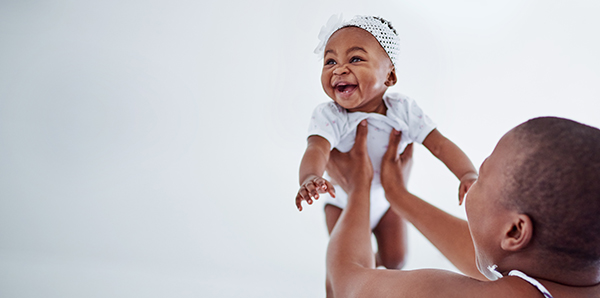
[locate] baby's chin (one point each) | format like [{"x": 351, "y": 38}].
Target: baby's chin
[{"x": 344, "y": 105}]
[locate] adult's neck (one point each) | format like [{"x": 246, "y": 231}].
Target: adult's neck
[{"x": 555, "y": 272}]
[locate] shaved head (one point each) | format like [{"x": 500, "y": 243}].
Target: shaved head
[{"x": 556, "y": 182}]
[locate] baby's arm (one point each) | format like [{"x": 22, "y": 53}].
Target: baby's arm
[
  {"x": 311, "y": 169},
  {"x": 454, "y": 158}
]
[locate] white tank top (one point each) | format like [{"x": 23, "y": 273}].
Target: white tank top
[{"x": 532, "y": 281}]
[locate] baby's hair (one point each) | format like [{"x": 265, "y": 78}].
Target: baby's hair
[
  {"x": 557, "y": 183},
  {"x": 386, "y": 22}
]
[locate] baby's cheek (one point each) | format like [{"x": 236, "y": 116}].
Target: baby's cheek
[{"x": 325, "y": 81}]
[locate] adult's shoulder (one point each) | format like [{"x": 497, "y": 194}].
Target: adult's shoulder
[{"x": 436, "y": 283}]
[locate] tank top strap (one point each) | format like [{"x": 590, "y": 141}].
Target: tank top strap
[{"x": 532, "y": 281}]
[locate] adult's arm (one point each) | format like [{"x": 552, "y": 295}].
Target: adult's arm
[
  {"x": 349, "y": 251},
  {"x": 449, "y": 234},
  {"x": 350, "y": 261}
]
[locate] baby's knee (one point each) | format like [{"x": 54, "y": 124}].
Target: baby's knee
[
  {"x": 396, "y": 264},
  {"x": 395, "y": 261}
]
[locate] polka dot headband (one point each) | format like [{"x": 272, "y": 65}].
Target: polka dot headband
[{"x": 381, "y": 29}]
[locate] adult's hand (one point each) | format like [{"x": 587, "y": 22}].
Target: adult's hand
[
  {"x": 395, "y": 168},
  {"x": 353, "y": 169}
]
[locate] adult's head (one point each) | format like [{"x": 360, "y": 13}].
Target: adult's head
[{"x": 538, "y": 198}]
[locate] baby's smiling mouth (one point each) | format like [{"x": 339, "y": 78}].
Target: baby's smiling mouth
[{"x": 345, "y": 87}]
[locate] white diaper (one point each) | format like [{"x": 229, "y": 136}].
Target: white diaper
[{"x": 379, "y": 205}]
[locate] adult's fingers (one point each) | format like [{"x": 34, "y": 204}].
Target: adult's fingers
[
  {"x": 392, "y": 149},
  {"x": 334, "y": 155},
  {"x": 408, "y": 152},
  {"x": 361, "y": 136}
]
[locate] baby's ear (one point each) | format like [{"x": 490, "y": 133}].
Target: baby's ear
[
  {"x": 518, "y": 234},
  {"x": 391, "y": 80}
]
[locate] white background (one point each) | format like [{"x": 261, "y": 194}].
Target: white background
[{"x": 151, "y": 148}]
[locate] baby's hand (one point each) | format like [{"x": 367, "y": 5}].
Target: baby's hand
[
  {"x": 311, "y": 188},
  {"x": 465, "y": 183}
]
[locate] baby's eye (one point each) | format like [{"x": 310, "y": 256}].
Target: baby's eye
[
  {"x": 330, "y": 62},
  {"x": 355, "y": 59}
]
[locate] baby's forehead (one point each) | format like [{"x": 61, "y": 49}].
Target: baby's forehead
[
  {"x": 354, "y": 33},
  {"x": 355, "y": 37}
]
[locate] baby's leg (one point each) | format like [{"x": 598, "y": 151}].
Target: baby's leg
[
  {"x": 332, "y": 214},
  {"x": 390, "y": 233}
]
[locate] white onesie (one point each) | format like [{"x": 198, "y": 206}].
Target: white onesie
[{"x": 338, "y": 126}]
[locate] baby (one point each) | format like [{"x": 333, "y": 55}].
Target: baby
[{"x": 360, "y": 59}]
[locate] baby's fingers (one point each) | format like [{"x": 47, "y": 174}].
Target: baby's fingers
[
  {"x": 462, "y": 192},
  {"x": 464, "y": 187},
  {"x": 306, "y": 193},
  {"x": 299, "y": 201},
  {"x": 328, "y": 187},
  {"x": 321, "y": 185},
  {"x": 302, "y": 196},
  {"x": 313, "y": 192}
]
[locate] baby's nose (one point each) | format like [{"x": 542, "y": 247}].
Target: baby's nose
[{"x": 342, "y": 69}]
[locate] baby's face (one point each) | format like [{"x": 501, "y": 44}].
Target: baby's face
[{"x": 357, "y": 70}]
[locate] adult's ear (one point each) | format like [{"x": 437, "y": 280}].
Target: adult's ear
[
  {"x": 392, "y": 79},
  {"x": 518, "y": 233}
]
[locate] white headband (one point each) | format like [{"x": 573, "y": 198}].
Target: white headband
[{"x": 378, "y": 27}]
